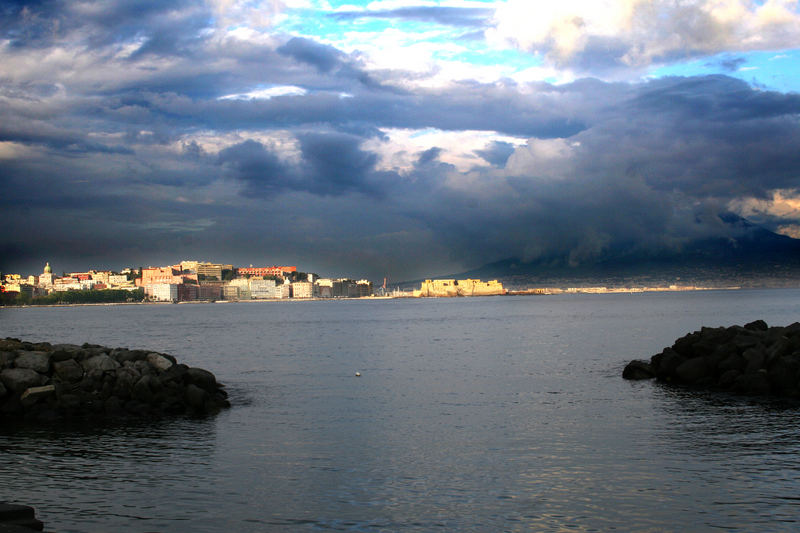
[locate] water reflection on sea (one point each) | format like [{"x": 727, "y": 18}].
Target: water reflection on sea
[{"x": 475, "y": 414}]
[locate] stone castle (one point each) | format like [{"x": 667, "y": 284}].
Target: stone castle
[{"x": 459, "y": 287}]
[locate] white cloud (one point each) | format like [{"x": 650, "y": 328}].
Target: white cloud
[
  {"x": 784, "y": 204},
  {"x": 641, "y": 32},
  {"x": 267, "y": 93},
  {"x": 403, "y": 147}
]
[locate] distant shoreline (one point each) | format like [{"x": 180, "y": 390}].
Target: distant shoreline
[{"x": 543, "y": 291}]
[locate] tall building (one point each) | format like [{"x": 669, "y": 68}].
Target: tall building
[
  {"x": 212, "y": 270},
  {"x": 46, "y": 277}
]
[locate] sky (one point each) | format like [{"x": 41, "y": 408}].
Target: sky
[{"x": 397, "y": 138}]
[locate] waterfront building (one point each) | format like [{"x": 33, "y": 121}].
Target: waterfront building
[
  {"x": 230, "y": 292},
  {"x": 66, "y": 284},
  {"x": 209, "y": 292},
  {"x": 344, "y": 288},
  {"x": 46, "y": 277},
  {"x": 283, "y": 291},
  {"x": 212, "y": 270},
  {"x": 162, "y": 292},
  {"x": 187, "y": 292},
  {"x": 158, "y": 275},
  {"x": 302, "y": 289},
  {"x": 262, "y": 288},
  {"x": 459, "y": 287},
  {"x": 117, "y": 279},
  {"x": 189, "y": 266},
  {"x": 364, "y": 288},
  {"x": 260, "y": 272}
]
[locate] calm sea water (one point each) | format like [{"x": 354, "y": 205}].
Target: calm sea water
[{"x": 484, "y": 414}]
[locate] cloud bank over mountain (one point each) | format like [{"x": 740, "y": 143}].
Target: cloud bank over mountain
[{"x": 147, "y": 132}]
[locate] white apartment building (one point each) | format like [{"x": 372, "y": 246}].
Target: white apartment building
[
  {"x": 262, "y": 289},
  {"x": 302, "y": 289},
  {"x": 162, "y": 292}
]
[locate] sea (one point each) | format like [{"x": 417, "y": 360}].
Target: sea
[{"x": 470, "y": 414}]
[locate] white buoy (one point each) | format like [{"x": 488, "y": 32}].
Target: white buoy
[{"x": 358, "y": 374}]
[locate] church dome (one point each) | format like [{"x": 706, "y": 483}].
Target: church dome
[{"x": 47, "y": 269}]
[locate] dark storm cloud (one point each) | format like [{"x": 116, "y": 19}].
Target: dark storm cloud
[
  {"x": 337, "y": 164},
  {"x": 452, "y": 16},
  {"x": 496, "y": 153},
  {"x": 731, "y": 64},
  {"x": 471, "y": 107},
  {"x": 64, "y": 140},
  {"x": 162, "y": 25},
  {"x": 258, "y": 167},
  {"x": 428, "y": 156},
  {"x": 321, "y": 56},
  {"x": 146, "y": 143},
  {"x": 331, "y": 164}
]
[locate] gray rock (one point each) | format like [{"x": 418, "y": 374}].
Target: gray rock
[
  {"x": 3, "y": 390},
  {"x": 743, "y": 342},
  {"x": 733, "y": 361},
  {"x": 195, "y": 396},
  {"x": 7, "y": 359},
  {"x": 783, "y": 375},
  {"x": 19, "y": 379},
  {"x": 668, "y": 363},
  {"x": 69, "y": 370},
  {"x": 101, "y": 362},
  {"x": 144, "y": 389},
  {"x": 756, "y": 384},
  {"x": 757, "y": 325},
  {"x": 9, "y": 344},
  {"x": 693, "y": 370},
  {"x": 755, "y": 358},
  {"x": 126, "y": 379},
  {"x": 202, "y": 378},
  {"x": 175, "y": 374},
  {"x": 158, "y": 361},
  {"x": 782, "y": 346},
  {"x": 123, "y": 355},
  {"x": 38, "y": 361},
  {"x": 638, "y": 370},
  {"x": 728, "y": 379}
]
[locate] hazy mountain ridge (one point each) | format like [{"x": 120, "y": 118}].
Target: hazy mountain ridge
[{"x": 748, "y": 256}]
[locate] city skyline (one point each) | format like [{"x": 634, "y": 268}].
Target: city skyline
[{"x": 399, "y": 138}]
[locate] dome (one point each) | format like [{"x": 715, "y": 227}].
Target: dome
[{"x": 47, "y": 269}]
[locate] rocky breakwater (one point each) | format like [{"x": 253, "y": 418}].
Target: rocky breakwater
[
  {"x": 44, "y": 381},
  {"x": 753, "y": 360}
]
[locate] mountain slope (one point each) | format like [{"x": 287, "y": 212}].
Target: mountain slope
[{"x": 749, "y": 256}]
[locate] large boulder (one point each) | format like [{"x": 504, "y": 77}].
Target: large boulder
[
  {"x": 638, "y": 370},
  {"x": 19, "y": 379},
  {"x": 7, "y": 359},
  {"x": 695, "y": 370},
  {"x": 101, "y": 362},
  {"x": 38, "y": 361},
  {"x": 159, "y": 361},
  {"x": 202, "y": 378},
  {"x": 69, "y": 370}
]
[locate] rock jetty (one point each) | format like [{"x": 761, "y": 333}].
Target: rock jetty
[
  {"x": 62, "y": 381},
  {"x": 752, "y": 360}
]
